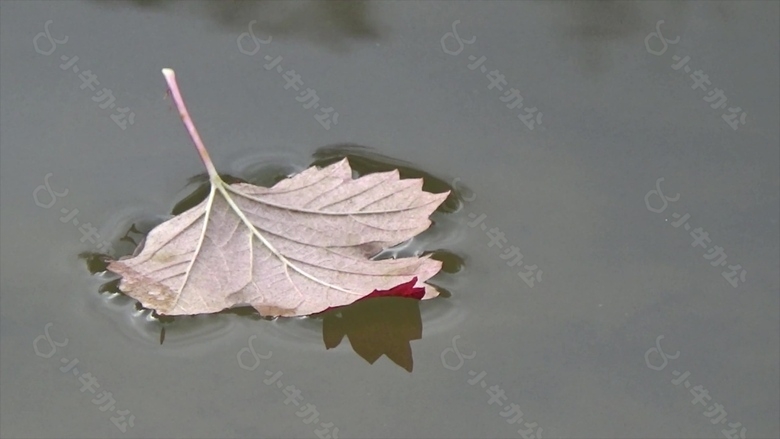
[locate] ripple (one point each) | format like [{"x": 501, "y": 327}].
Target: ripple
[{"x": 128, "y": 227}]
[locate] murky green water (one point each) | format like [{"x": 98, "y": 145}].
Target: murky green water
[{"x": 564, "y": 340}]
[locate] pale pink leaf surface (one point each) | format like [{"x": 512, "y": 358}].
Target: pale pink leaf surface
[{"x": 297, "y": 248}]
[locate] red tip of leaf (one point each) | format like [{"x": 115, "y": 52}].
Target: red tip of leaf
[{"x": 407, "y": 290}]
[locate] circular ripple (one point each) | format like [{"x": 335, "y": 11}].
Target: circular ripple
[{"x": 128, "y": 226}]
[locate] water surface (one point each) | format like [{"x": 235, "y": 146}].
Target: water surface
[{"x": 573, "y": 350}]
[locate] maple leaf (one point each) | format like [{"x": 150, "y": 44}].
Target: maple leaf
[{"x": 297, "y": 248}]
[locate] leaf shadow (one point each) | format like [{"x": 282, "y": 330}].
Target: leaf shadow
[{"x": 376, "y": 327}]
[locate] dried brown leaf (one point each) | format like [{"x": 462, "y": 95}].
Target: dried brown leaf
[{"x": 297, "y": 248}]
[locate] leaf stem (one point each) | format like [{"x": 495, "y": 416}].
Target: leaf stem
[{"x": 170, "y": 77}]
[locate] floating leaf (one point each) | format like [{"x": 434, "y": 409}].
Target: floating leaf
[{"x": 297, "y": 248}]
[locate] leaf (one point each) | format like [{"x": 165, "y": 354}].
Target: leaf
[
  {"x": 368, "y": 161},
  {"x": 408, "y": 290},
  {"x": 297, "y": 248}
]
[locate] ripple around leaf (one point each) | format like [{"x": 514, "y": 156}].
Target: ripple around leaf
[
  {"x": 181, "y": 335},
  {"x": 304, "y": 332}
]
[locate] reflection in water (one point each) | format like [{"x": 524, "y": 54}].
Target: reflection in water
[
  {"x": 374, "y": 327},
  {"x": 595, "y": 26},
  {"x": 329, "y": 22}
]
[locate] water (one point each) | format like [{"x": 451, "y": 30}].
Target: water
[{"x": 574, "y": 351}]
